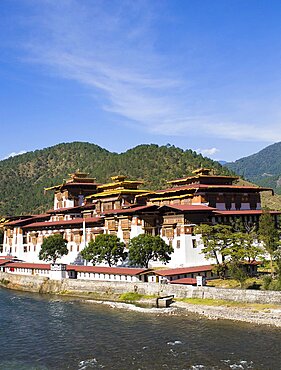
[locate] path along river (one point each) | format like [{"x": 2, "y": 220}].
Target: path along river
[{"x": 49, "y": 332}]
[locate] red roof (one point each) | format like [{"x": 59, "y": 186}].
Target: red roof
[
  {"x": 3, "y": 262},
  {"x": 189, "y": 207},
  {"x": 187, "y": 281},
  {"x": 76, "y": 222},
  {"x": 26, "y": 220},
  {"x": 183, "y": 270},
  {"x": 129, "y": 210},
  {"x": 253, "y": 262},
  {"x": 107, "y": 270},
  {"x": 209, "y": 186},
  {"x": 93, "y": 269},
  {"x": 26, "y": 265}
]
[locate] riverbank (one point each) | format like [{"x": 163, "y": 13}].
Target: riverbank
[
  {"x": 266, "y": 316},
  {"x": 255, "y": 314},
  {"x": 257, "y": 307}
]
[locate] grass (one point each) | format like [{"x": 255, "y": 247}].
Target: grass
[
  {"x": 4, "y": 282},
  {"x": 233, "y": 284},
  {"x": 271, "y": 201},
  {"x": 132, "y": 296},
  {"x": 223, "y": 303}
]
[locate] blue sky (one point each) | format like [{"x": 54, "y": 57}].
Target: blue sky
[{"x": 198, "y": 74}]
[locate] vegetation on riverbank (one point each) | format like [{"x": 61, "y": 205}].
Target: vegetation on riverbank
[
  {"x": 223, "y": 303},
  {"x": 134, "y": 297}
]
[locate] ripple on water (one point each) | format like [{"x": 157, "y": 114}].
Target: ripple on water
[
  {"x": 91, "y": 363},
  {"x": 174, "y": 343}
]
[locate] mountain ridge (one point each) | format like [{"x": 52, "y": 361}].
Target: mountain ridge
[
  {"x": 23, "y": 177},
  {"x": 262, "y": 168}
]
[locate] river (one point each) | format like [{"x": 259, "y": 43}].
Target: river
[{"x": 49, "y": 332}]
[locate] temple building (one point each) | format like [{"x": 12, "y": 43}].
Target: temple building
[
  {"x": 83, "y": 209},
  {"x": 71, "y": 193}
]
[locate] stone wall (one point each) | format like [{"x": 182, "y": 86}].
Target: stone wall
[{"x": 111, "y": 290}]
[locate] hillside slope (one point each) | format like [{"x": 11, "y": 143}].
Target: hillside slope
[
  {"x": 23, "y": 178},
  {"x": 262, "y": 168}
]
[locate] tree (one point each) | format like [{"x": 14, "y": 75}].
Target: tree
[
  {"x": 53, "y": 247},
  {"x": 245, "y": 236},
  {"x": 237, "y": 272},
  {"x": 227, "y": 243},
  {"x": 269, "y": 236},
  {"x": 144, "y": 248},
  {"x": 105, "y": 248},
  {"x": 217, "y": 241}
]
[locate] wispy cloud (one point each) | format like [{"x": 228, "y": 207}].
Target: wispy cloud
[
  {"x": 111, "y": 49},
  {"x": 113, "y": 54},
  {"x": 208, "y": 151},
  {"x": 13, "y": 154}
]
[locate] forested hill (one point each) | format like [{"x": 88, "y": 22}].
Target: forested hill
[
  {"x": 262, "y": 168},
  {"x": 23, "y": 178}
]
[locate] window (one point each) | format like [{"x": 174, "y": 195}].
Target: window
[
  {"x": 178, "y": 243},
  {"x": 194, "y": 243}
]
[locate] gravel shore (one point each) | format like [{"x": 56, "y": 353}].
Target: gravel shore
[{"x": 261, "y": 317}]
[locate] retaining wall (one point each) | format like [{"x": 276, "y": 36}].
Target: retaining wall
[{"x": 111, "y": 290}]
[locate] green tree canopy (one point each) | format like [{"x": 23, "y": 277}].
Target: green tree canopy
[
  {"x": 53, "y": 248},
  {"x": 269, "y": 236},
  {"x": 50, "y": 166},
  {"x": 217, "y": 239},
  {"x": 105, "y": 248},
  {"x": 228, "y": 244},
  {"x": 237, "y": 272},
  {"x": 144, "y": 248}
]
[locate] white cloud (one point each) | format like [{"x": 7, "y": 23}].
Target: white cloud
[
  {"x": 114, "y": 57},
  {"x": 13, "y": 154},
  {"x": 243, "y": 131},
  {"x": 208, "y": 151}
]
